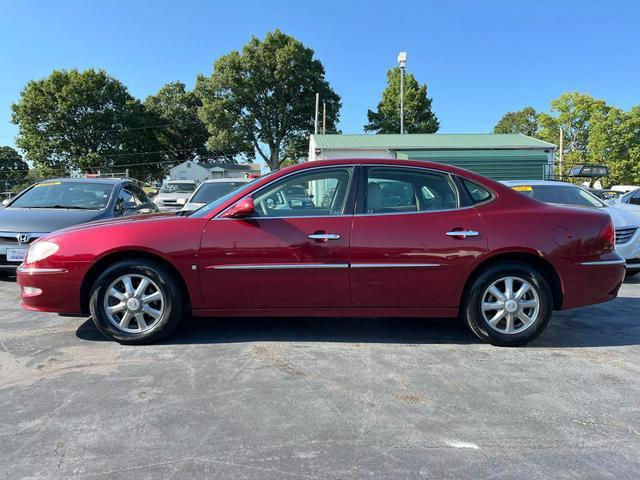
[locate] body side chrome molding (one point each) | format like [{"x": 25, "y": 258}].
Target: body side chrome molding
[
  {"x": 277, "y": 266},
  {"x": 395, "y": 265},
  {"x": 32, "y": 270},
  {"x": 604, "y": 262},
  {"x": 293, "y": 266}
]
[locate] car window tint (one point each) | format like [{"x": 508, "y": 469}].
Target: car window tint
[
  {"x": 65, "y": 194},
  {"x": 478, "y": 194},
  {"x": 125, "y": 199},
  {"x": 139, "y": 195},
  {"x": 317, "y": 193},
  {"x": 398, "y": 190}
]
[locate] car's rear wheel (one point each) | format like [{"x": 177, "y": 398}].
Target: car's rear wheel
[
  {"x": 136, "y": 302},
  {"x": 509, "y": 304}
]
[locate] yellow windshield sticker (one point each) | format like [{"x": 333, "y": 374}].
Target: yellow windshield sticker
[
  {"x": 48, "y": 184},
  {"x": 523, "y": 188}
]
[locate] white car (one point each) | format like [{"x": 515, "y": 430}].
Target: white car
[
  {"x": 630, "y": 203},
  {"x": 625, "y": 188},
  {"x": 174, "y": 194},
  {"x": 211, "y": 190},
  {"x": 626, "y": 224}
]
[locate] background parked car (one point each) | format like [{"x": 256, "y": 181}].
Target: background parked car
[
  {"x": 211, "y": 190},
  {"x": 626, "y": 225},
  {"x": 174, "y": 194},
  {"x": 625, "y": 188},
  {"x": 607, "y": 196},
  {"x": 630, "y": 202},
  {"x": 54, "y": 204}
]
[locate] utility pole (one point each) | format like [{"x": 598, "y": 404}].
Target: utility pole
[
  {"x": 402, "y": 60},
  {"x": 324, "y": 117},
  {"x": 317, "y": 108},
  {"x": 560, "y": 153}
]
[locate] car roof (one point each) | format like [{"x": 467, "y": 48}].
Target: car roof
[
  {"x": 226, "y": 180},
  {"x": 181, "y": 181},
  {"x": 516, "y": 183},
  {"x": 87, "y": 180}
]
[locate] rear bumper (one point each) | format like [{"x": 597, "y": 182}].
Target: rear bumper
[
  {"x": 590, "y": 282},
  {"x": 59, "y": 289}
]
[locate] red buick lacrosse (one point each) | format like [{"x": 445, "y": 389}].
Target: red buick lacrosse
[{"x": 334, "y": 238}]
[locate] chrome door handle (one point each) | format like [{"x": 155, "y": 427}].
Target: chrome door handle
[
  {"x": 463, "y": 233},
  {"x": 324, "y": 236}
]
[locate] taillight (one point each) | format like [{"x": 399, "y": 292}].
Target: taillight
[{"x": 608, "y": 236}]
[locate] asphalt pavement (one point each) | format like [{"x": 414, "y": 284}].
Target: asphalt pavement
[{"x": 321, "y": 399}]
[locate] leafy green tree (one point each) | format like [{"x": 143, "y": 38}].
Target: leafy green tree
[
  {"x": 13, "y": 169},
  {"x": 418, "y": 117},
  {"x": 573, "y": 112},
  {"x": 84, "y": 121},
  {"x": 523, "y": 121},
  {"x": 262, "y": 99},
  {"x": 180, "y": 132},
  {"x": 614, "y": 140}
]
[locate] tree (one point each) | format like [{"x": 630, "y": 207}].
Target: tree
[
  {"x": 614, "y": 140},
  {"x": 13, "y": 169},
  {"x": 573, "y": 112},
  {"x": 523, "y": 121},
  {"x": 180, "y": 132},
  {"x": 77, "y": 121},
  {"x": 262, "y": 99},
  {"x": 418, "y": 117}
]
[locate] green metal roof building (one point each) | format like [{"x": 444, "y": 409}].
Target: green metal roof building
[{"x": 499, "y": 156}]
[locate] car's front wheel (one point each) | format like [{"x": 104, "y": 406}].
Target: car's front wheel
[
  {"x": 136, "y": 302},
  {"x": 509, "y": 304}
]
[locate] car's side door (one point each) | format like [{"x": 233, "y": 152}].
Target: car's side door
[
  {"x": 414, "y": 236},
  {"x": 292, "y": 253}
]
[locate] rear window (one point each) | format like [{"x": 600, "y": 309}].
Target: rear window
[
  {"x": 561, "y": 194},
  {"x": 178, "y": 188}
]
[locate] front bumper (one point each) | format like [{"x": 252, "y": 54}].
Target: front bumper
[{"x": 50, "y": 289}]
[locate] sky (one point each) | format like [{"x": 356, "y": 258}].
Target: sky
[{"x": 479, "y": 59}]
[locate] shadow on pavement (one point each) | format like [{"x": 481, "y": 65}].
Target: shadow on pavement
[{"x": 615, "y": 323}]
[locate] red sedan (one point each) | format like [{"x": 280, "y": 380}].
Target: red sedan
[{"x": 335, "y": 238}]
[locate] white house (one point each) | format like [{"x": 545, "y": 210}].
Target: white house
[{"x": 199, "y": 172}]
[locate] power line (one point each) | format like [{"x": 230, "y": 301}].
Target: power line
[{"x": 164, "y": 125}]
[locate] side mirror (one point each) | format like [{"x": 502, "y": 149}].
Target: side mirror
[
  {"x": 241, "y": 209},
  {"x": 5, "y": 202}
]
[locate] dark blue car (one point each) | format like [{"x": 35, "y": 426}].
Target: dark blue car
[{"x": 54, "y": 204}]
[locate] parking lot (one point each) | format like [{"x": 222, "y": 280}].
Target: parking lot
[{"x": 321, "y": 398}]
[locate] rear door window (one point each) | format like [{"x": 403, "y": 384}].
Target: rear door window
[{"x": 405, "y": 190}]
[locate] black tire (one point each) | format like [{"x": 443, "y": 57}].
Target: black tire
[
  {"x": 472, "y": 311},
  {"x": 160, "y": 327},
  {"x": 631, "y": 273}
]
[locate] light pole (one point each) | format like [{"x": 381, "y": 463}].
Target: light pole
[{"x": 402, "y": 60}]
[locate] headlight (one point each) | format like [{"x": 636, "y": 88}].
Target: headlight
[
  {"x": 41, "y": 250},
  {"x": 181, "y": 201}
]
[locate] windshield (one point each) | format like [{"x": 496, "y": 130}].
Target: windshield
[
  {"x": 208, "y": 192},
  {"x": 178, "y": 188},
  {"x": 561, "y": 194},
  {"x": 78, "y": 195},
  {"x": 205, "y": 209}
]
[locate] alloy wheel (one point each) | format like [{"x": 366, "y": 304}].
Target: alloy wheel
[
  {"x": 134, "y": 303},
  {"x": 510, "y": 305}
]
